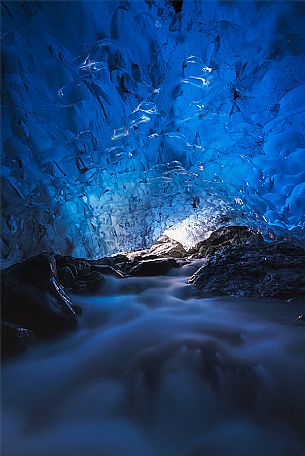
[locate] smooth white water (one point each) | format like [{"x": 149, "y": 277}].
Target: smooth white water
[{"x": 155, "y": 370}]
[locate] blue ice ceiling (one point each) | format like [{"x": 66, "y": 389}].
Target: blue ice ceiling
[{"x": 122, "y": 119}]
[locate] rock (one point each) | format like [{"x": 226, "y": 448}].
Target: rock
[
  {"x": 254, "y": 268},
  {"x": 167, "y": 247},
  {"x": 113, "y": 260},
  {"x": 66, "y": 276},
  {"x": 119, "y": 258},
  {"x": 164, "y": 247},
  {"x": 119, "y": 262},
  {"x": 223, "y": 237},
  {"x": 77, "y": 266},
  {"x": 154, "y": 267},
  {"x": 81, "y": 275},
  {"x": 138, "y": 255},
  {"x": 14, "y": 339},
  {"x": 33, "y": 297},
  {"x": 108, "y": 270},
  {"x": 94, "y": 281}
]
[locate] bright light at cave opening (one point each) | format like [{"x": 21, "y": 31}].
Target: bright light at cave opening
[{"x": 189, "y": 231}]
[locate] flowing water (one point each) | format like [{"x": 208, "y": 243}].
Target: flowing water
[{"x": 156, "y": 370}]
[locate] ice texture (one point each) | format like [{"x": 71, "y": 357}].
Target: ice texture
[{"x": 124, "y": 119}]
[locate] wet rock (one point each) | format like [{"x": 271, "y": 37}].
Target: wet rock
[
  {"x": 119, "y": 262},
  {"x": 94, "y": 281},
  {"x": 254, "y": 268},
  {"x": 77, "y": 266},
  {"x": 108, "y": 270},
  {"x": 113, "y": 260},
  {"x": 14, "y": 339},
  {"x": 167, "y": 247},
  {"x": 139, "y": 255},
  {"x": 33, "y": 297},
  {"x": 66, "y": 276},
  {"x": 223, "y": 237},
  {"x": 154, "y": 267},
  {"x": 119, "y": 258},
  {"x": 81, "y": 275}
]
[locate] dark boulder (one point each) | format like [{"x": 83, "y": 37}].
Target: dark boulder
[
  {"x": 254, "y": 268},
  {"x": 82, "y": 276},
  {"x": 33, "y": 297},
  {"x": 111, "y": 261},
  {"x": 108, "y": 270},
  {"x": 67, "y": 275},
  {"x": 94, "y": 281},
  {"x": 224, "y": 237},
  {"x": 77, "y": 266},
  {"x": 120, "y": 262},
  {"x": 154, "y": 267}
]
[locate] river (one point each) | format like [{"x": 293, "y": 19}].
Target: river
[{"x": 156, "y": 370}]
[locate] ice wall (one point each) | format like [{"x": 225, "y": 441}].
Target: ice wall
[{"x": 122, "y": 119}]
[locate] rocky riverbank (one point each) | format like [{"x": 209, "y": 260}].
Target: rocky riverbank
[{"x": 237, "y": 261}]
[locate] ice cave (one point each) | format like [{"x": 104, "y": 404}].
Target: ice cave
[{"x": 153, "y": 227}]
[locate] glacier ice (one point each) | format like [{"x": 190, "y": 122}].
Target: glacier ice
[{"x": 121, "y": 120}]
